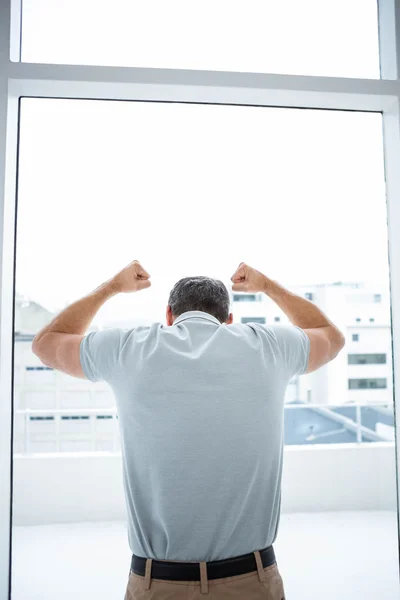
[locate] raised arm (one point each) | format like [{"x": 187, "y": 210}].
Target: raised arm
[
  {"x": 326, "y": 340},
  {"x": 57, "y": 345}
]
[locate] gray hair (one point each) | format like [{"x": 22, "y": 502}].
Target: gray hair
[{"x": 200, "y": 293}]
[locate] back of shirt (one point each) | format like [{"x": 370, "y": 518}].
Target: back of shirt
[{"x": 200, "y": 407}]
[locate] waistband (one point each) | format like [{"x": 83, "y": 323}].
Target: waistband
[{"x": 201, "y": 570}]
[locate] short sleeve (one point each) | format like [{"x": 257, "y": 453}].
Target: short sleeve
[
  {"x": 294, "y": 345},
  {"x": 99, "y": 354}
]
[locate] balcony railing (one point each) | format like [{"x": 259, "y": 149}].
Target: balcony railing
[{"x": 345, "y": 424}]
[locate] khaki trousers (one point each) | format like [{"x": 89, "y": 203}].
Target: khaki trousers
[{"x": 263, "y": 583}]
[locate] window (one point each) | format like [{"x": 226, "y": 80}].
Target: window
[
  {"x": 355, "y": 337},
  {"x": 358, "y": 319},
  {"x": 261, "y": 320},
  {"x": 303, "y": 167},
  {"x": 366, "y": 359},
  {"x": 34, "y": 418},
  {"x": 244, "y": 297},
  {"x": 377, "y": 297},
  {"x": 38, "y": 369},
  {"x": 371, "y": 320},
  {"x": 309, "y": 296},
  {"x": 360, "y": 384},
  {"x": 277, "y": 319},
  {"x": 86, "y": 152},
  {"x": 256, "y": 36}
]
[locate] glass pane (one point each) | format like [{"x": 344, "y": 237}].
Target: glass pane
[
  {"x": 191, "y": 190},
  {"x": 311, "y": 37}
]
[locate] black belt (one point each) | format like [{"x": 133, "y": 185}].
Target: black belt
[{"x": 184, "y": 571}]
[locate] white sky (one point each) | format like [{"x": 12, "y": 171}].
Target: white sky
[{"x": 195, "y": 189}]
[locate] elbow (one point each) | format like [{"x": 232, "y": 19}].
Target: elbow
[
  {"x": 37, "y": 349},
  {"x": 340, "y": 342}
]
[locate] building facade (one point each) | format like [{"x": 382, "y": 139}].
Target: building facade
[{"x": 362, "y": 372}]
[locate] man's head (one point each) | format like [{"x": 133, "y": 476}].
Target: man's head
[{"x": 199, "y": 293}]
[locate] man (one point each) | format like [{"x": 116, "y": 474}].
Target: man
[{"x": 200, "y": 406}]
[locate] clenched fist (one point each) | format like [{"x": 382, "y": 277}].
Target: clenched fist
[
  {"x": 247, "y": 279},
  {"x": 132, "y": 279}
]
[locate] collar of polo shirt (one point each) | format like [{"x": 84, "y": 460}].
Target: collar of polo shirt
[{"x": 196, "y": 314}]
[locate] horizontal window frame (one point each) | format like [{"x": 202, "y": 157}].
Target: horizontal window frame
[{"x": 200, "y": 87}]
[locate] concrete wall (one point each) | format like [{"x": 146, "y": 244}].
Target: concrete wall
[{"x": 59, "y": 488}]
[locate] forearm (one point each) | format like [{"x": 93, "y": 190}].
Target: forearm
[
  {"x": 301, "y": 312},
  {"x": 77, "y": 317}
]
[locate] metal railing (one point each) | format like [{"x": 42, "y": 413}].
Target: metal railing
[
  {"x": 57, "y": 413},
  {"x": 345, "y": 423},
  {"x": 348, "y": 424}
]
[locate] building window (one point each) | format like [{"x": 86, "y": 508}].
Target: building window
[
  {"x": 277, "y": 319},
  {"x": 245, "y": 297},
  {"x": 377, "y": 297},
  {"x": 104, "y": 417},
  {"x": 366, "y": 359},
  {"x": 38, "y": 369},
  {"x": 355, "y": 337},
  {"x": 358, "y": 319},
  {"x": 309, "y": 296},
  {"x": 371, "y": 320},
  {"x": 41, "y": 418},
  {"x": 363, "y": 384},
  {"x": 253, "y": 320},
  {"x": 75, "y": 417}
]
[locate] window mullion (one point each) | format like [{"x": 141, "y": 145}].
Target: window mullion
[{"x": 389, "y": 38}]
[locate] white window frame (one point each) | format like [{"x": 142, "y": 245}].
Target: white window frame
[{"x": 85, "y": 82}]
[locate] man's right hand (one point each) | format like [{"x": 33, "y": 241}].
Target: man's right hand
[
  {"x": 247, "y": 279},
  {"x": 132, "y": 278}
]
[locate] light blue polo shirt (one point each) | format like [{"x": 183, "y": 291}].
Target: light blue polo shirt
[{"x": 200, "y": 407}]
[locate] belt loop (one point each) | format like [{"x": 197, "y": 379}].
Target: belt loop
[
  {"x": 147, "y": 576},
  {"x": 203, "y": 578},
  {"x": 260, "y": 567}
]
